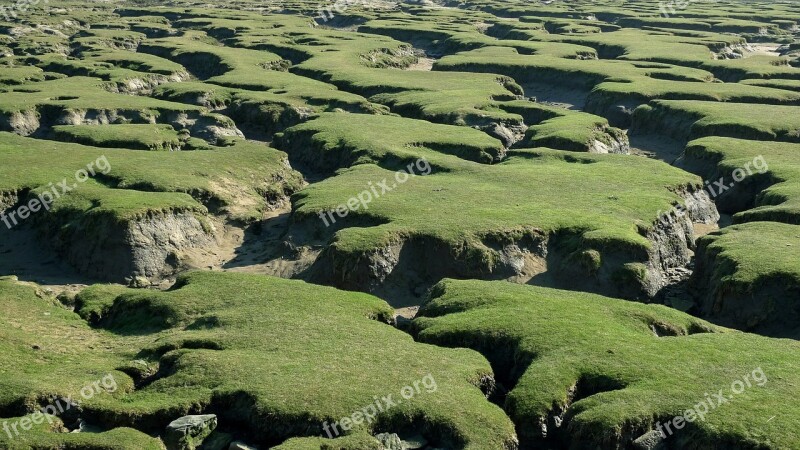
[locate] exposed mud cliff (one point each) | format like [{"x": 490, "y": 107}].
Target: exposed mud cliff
[
  {"x": 151, "y": 246},
  {"x": 406, "y": 267}
]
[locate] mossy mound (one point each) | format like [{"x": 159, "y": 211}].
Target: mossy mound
[
  {"x": 283, "y": 358},
  {"x": 750, "y": 279},
  {"x": 142, "y": 137},
  {"x": 753, "y": 180},
  {"x": 606, "y": 214},
  {"x": 586, "y": 371},
  {"x": 687, "y": 120}
]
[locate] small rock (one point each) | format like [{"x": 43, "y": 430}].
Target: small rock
[
  {"x": 187, "y": 433},
  {"x": 140, "y": 282},
  {"x": 652, "y": 440},
  {"x": 390, "y": 441}
]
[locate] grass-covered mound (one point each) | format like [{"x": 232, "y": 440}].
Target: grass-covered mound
[
  {"x": 240, "y": 180},
  {"x": 563, "y": 129},
  {"x": 632, "y": 93},
  {"x": 250, "y": 74},
  {"x": 19, "y": 74},
  {"x": 745, "y": 275},
  {"x": 573, "y": 73},
  {"x": 336, "y": 140},
  {"x": 789, "y": 85},
  {"x": 122, "y": 70},
  {"x": 686, "y": 120},
  {"x": 196, "y": 52},
  {"x": 35, "y": 107},
  {"x": 361, "y": 64},
  {"x": 684, "y": 49},
  {"x": 593, "y": 372},
  {"x": 749, "y": 277},
  {"x": 49, "y": 352},
  {"x": 138, "y": 213},
  {"x": 452, "y": 30},
  {"x": 266, "y": 112},
  {"x": 48, "y": 436},
  {"x": 757, "y": 66},
  {"x": 607, "y": 234},
  {"x": 770, "y": 190},
  {"x": 141, "y": 137},
  {"x": 279, "y": 358}
]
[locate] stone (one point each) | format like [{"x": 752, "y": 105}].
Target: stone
[
  {"x": 390, "y": 441},
  {"x": 140, "y": 282},
  {"x": 187, "y": 433},
  {"x": 652, "y": 440}
]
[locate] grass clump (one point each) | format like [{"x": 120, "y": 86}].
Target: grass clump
[
  {"x": 239, "y": 181},
  {"x": 48, "y": 353},
  {"x": 216, "y": 336},
  {"x": 607, "y": 212},
  {"x": 771, "y": 189},
  {"x": 649, "y": 365},
  {"x": 750, "y": 277},
  {"x": 336, "y": 140},
  {"x": 686, "y": 120},
  {"x": 134, "y": 136}
]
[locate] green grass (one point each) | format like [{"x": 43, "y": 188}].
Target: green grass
[
  {"x": 206, "y": 60},
  {"x": 582, "y": 74},
  {"x": 734, "y": 246},
  {"x": 277, "y": 358},
  {"x": 789, "y": 85},
  {"x": 336, "y": 140},
  {"x": 282, "y": 357},
  {"x": 642, "y": 45},
  {"x": 563, "y": 129},
  {"x": 45, "y": 437},
  {"x": 44, "y": 353},
  {"x": 613, "y": 201},
  {"x": 644, "y": 89},
  {"x": 310, "y": 377},
  {"x": 14, "y": 75},
  {"x": 142, "y": 137},
  {"x": 549, "y": 343},
  {"x": 770, "y": 196},
  {"x": 76, "y": 96},
  {"x": 236, "y": 180},
  {"x": 758, "y": 67},
  {"x": 750, "y": 277},
  {"x": 694, "y": 119}
]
